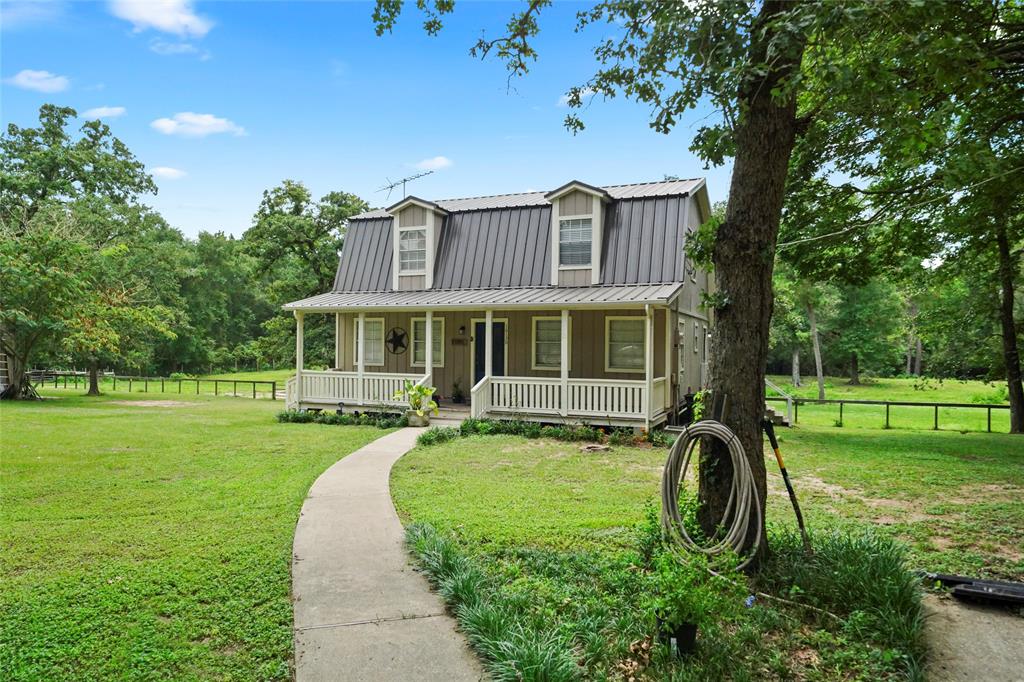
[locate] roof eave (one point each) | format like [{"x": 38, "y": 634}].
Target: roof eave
[
  {"x": 573, "y": 185},
  {"x": 415, "y": 201}
]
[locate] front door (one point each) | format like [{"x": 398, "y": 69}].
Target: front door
[{"x": 480, "y": 352}]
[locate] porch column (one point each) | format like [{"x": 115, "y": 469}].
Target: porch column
[
  {"x": 649, "y": 364},
  {"x": 299, "y": 349},
  {"x": 670, "y": 378},
  {"x": 428, "y": 352},
  {"x": 361, "y": 356},
  {"x": 564, "y": 366},
  {"x": 339, "y": 353},
  {"x": 488, "y": 338}
]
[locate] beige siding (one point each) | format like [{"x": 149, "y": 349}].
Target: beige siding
[
  {"x": 587, "y": 352},
  {"x": 412, "y": 282},
  {"x": 576, "y": 203},
  {"x": 413, "y": 216},
  {"x": 574, "y": 278}
]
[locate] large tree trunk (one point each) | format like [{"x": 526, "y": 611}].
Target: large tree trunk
[
  {"x": 816, "y": 345},
  {"x": 1011, "y": 357},
  {"x": 918, "y": 352},
  {"x": 794, "y": 368},
  {"x": 743, "y": 256},
  {"x": 18, "y": 385},
  {"x": 94, "y": 378},
  {"x": 854, "y": 370},
  {"x": 910, "y": 354}
]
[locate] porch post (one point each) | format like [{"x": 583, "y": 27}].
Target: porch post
[
  {"x": 564, "y": 366},
  {"x": 299, "y": 348},
  {"x": 669, "y": 374},
  {"x": 488, "y": 338},
  {"x": 361, "y": 356},
  {"x": 338, "y": 338},
  {"x": 428, "y": 352},
  {"x": 649, "y": 365}
]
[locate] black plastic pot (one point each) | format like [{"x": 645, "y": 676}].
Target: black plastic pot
[{"x": 680, "y": 638}]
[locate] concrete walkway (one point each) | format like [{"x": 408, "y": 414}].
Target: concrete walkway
[{"x": 361, "y": 611}]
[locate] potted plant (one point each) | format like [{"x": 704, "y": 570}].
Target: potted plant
[
  {"x": 458, "y": 397},
  {"x": 682, "y": 602},
  {"x": 420, "y": 402}
]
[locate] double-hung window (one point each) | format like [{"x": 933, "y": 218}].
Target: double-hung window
[
  {"x": 575, "y": 236},
  {"x": 373, "y": 329},
  {"x": 624, "y": 344},
  {"x": 419, "y": 341},
  {"x": 547, "y": 342},
  {"x": 412, "y": 251}
]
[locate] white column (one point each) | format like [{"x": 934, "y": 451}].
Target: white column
[
  {"x": 428, "y": 352},
  {"x": 488, "y": 342},
  {"x": 564, "y": 366},
  {"x": 669, "y": 378},
  {"x": 361, "y": 355},
  {"x": 649, "y": 364},
  {"x": 339, "y": 352},
  {"x": 299, "y": 349}
]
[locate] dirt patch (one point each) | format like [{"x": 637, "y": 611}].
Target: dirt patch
[
  {"x": 890, "y": 511},
  {"x": 967, "y": 642},
  {"x": 150, "y": 403},
  {"x": 990, "y": 492}
]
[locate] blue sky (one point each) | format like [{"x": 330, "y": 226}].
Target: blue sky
[{"x": 222, "y": 100}]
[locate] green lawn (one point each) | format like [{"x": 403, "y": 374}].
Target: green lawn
[
  {"x": 901, "y": 390},
  {"x": 152, "y": 542},
  {"x": 278, "y": 375},
  {"x": 559, "y": 534}
]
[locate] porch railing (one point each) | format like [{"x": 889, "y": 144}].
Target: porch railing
[
  {"x": 344, "y": 387},
  {"x": 583, "y": 398}
]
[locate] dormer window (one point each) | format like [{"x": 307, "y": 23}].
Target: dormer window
[
  {"x": 575, "y": 237},
  {"x": 412, "y": 251}
]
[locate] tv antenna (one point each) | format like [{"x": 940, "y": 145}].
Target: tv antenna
[{"x": 392, "y": 185}]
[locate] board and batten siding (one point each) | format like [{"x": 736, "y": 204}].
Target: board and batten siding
[
  {"x": 576, "y": 203},
  {"x": 587, "y": 355}
]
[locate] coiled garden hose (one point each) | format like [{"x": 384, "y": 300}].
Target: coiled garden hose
[{"x": 743, "y": 507}]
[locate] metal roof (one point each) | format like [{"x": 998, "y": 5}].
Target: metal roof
[
  {"x": 634, "y": 191},
  {"x": 365, "y": 263},
  {"x": 538, "y": 298}
]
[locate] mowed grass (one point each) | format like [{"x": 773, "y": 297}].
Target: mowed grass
[
  {"x": 152, "y": 542},
  {"x": 956, "y": 499},
  {"x": 901, "y": 417}
]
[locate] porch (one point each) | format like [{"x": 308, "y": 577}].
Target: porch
[{"x": 608, "y": 359}]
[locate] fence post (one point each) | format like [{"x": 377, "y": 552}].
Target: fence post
[
  {"x": 234, "y": 390},
  {"x": 989, "y": 420},
  {"x": 56, "y": 378},
  {"x": 65, "y": 381},
  {"x": 197, "y": 386},
  {"x": 936, "y": 418},
  {"x": 273, "y": 390},
  {"x": 254, "y": 390},
  {"x": 840, "y": 412},
  {"x": 115, "y": 382},
  {"x": 216, "y": 386},
  {"x": 179, "y": 385},
  {"x": 887, "y": 415},
  {"x": 161, "y": 384},
  {"x": 129, "y": 384},
  {"x": 796, "y": 411}
]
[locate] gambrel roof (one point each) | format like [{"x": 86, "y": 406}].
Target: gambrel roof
[{"x": 504, "y": 241}]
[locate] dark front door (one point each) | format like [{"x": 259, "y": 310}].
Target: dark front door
[{"x": 480, "y": 352}]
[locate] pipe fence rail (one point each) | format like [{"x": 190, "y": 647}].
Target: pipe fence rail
[
  {"x": 889, "y": 404},
  {"x": 159, "y": 384}
]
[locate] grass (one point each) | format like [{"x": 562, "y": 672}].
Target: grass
[
  {"x": 901, "y": 390},
  {"x": 553, "y": 533},
  {"x": 152, "y": 542}
]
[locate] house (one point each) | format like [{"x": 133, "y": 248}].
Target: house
[{"x": 577, "y": 304}]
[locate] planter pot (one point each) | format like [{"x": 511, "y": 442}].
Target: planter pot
[
  {"x": 416, "y": 420},
  {"x": 681, "y": 638},
  {"x": 460, "y": 400}
]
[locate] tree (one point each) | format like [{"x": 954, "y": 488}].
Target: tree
[
  {"x": 867, "y": 326},
  {"x": 45, "y": 176},
  {"x": 774, "y": 70},
  {"x": 789, "y": 332}
]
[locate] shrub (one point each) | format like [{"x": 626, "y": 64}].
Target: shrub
[
  {"x": 438, "y": 434},
  {"x": 382, "y": 421}
]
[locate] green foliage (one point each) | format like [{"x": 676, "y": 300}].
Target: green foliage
[
  {"x": 381, "y": 421},
  {"x": 419, "y": 397},
  {"x": 515, "y": 427},
  {"x": 436, "y": 435}
]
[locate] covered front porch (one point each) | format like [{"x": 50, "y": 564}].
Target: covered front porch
[{"x": 564, "y": 361}]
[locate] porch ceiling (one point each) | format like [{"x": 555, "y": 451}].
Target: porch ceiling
[{"x": 538, "y": 298}]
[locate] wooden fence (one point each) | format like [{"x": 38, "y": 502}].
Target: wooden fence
[
  {"x": 889, "y": 404},
  {"x": 135, "y": 384}
]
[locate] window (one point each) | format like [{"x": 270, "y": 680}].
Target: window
[
  {"x": 374, "y": 331},
  {"x": 547, "y": 342},
  {"x": 624, "y": 344},
  {"x": 412, "y": 251},
  {"x": 574, "y": 238},
  {"x": 696, "y": 337},
  {"x": 419, "y": 341}
]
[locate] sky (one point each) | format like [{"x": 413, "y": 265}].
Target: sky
[{"x": 223, "y": 100}]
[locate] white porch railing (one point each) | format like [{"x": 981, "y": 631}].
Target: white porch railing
[
  {"x": 344, "y": 387},
  {"x": 584, "y": 398}
]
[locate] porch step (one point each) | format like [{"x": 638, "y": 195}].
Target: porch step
[{"x": 775, "y": 416}]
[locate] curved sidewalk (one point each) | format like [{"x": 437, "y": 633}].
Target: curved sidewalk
[{"x": 361, "y": 611}]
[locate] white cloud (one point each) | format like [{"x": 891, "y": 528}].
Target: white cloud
[
  {"x": 103, "y": 112},
  {"x": 162, "y": 47},
  {"x": 169, "y": 16},
  {"x": 190, "y": 124},
  {"x": 563, "y": 101},
  {"x": 40, "y": 81},
  {"x": 168, "y": 173},
  {"x": 435, "y": 163}
]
